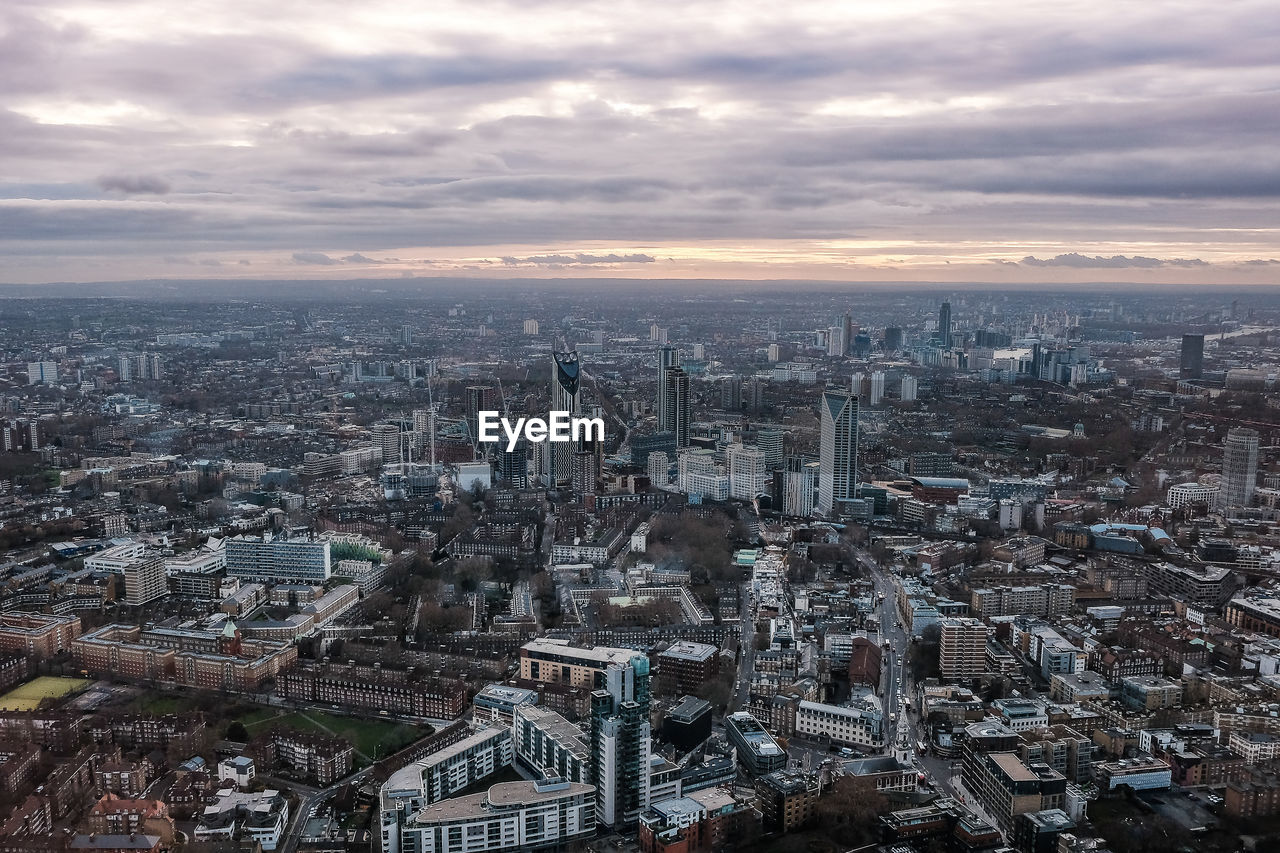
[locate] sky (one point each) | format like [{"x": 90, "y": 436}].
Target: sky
[{"x": 981, "y": 141}]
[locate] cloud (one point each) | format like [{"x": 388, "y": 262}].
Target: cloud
[
  {"x": 134, "y": 184},
  {"x": 318, "y": 258},
  {"x": 578, "y": 258},
  {"x": 1078, "y": 261},
  {"x": 531, "y": 133}
]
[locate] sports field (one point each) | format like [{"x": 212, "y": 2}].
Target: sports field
[{"x": 27, "y": 697}]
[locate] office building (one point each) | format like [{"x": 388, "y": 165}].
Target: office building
[
  {"x": 644, "y": 444},
  {"x": 688, "y": 723},
  {"x": 685, "y": 666},
  {"x": 892, "y": 339},
  {"x": 1191, "y": 365},
  {"x": 758, "y": 753},
  {"x": 787, "y": 801},
  {"x": 841, "y": 724},
  {"x": 944, "y": 326},
  {"x": 838, "y": 449},
  {"x": 1239, "y": 468},
  {"x": 962, "y": 651}
]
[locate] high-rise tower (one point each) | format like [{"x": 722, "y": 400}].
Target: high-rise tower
[
  {"x": 944, "y": 325},
  {"x": 675, "y": 409},
  {"x": 1192, "y": 362},
  {"x": 838, "y": 448},
  {"x": 668, "y": 357},
  {"x": 566, "y": 396},
  {"x": 1239, "y": 467}
]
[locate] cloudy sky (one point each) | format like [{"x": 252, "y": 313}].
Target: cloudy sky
[{"x": 976, "y": 141}]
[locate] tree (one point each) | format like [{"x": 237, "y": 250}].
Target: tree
[
  {"x": 848, "y": 811},
  {"x": 237, "y": 733}
]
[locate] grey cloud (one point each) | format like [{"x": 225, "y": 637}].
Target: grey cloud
[
  {"x": 318, "y": 258},
  {"x": 1078, "y": 261},
  {"x": 1137, "y": 128},
  {"x": 579, "y": 258},
  {"x": 134, "y": 184}
]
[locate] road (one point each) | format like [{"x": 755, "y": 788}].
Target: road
[
  {"x": 309, "y": 802},
  {"x": 746, "y": 648},
  {"x": 892, "y": 658}
]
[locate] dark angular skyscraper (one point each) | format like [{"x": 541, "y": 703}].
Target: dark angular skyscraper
[
  {"x": 1192, "y": 366},
  {"x": 944, "y": 325},
  {"x": 566, "y": 396},
  {"x": 675, "y": 409}
]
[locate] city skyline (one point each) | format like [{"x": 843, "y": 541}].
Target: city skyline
[{"x": 1005, "y": 143}]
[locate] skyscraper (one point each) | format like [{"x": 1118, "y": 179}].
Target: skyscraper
[
  {"x": 676, "y": 408},
  {"x": 1239, "y": 467},
  {"x": 1192, "y": 365},
  {"x": 479, "y": 398},
  {"x": 846, "y": 332},
  {"x": 668, "y": 357},
  {"x": 838, "y": 448},
  {"x": 892, "y": 339},
  {"x": 944, "y": 325},
  {"x": 566, "y": 396}
]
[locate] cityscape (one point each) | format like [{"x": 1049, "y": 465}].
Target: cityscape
[
  {"x": 896, "y": 569},
  {"x": 489, "y": 426}
]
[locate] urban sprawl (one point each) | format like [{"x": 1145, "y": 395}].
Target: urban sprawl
[{"x": 903, "y": 570}]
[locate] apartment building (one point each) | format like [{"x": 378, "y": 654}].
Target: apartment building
[
  {"x": 39, "y": 636},
  {"x": 962, "y": 652},
  {"x": 509, "y": 816}
]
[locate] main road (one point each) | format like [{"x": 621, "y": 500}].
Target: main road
[{"x": 896, "y": 680}]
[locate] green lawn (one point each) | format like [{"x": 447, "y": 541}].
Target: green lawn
[
  {"x": 373, "y": 739},
  {"x": 27, "y": 697}
]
